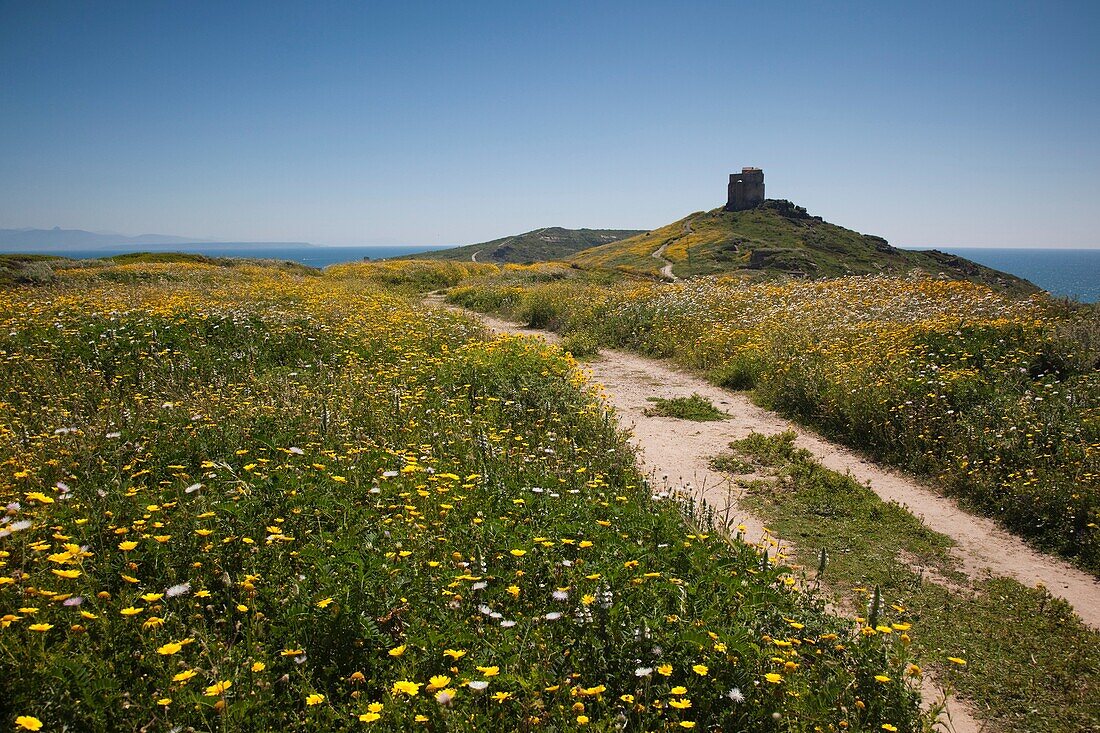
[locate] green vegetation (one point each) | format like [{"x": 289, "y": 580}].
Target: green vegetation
[
  {"x": 696, "y": 407},
  {"x": 16, "y": 269},
  {"x": 540, "y": 245},
  {"x": 1030, "y": 663},
  {"x": 780, "y": 239},
  {"x": 581, "y": 344},
  {"x": 248, "y": 498},
  {"x": 996, "y": 399}
]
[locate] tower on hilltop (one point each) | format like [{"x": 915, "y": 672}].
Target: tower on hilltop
[{"x": 746, "y": 189}]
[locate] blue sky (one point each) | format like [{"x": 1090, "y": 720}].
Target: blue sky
[{"x": 934, "y": 124}]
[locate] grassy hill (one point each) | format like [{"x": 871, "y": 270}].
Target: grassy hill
[
  {"x": 40, "y": 269},
  {"x": 779, "y": 238},
  {"x": 540, "y": 245}
]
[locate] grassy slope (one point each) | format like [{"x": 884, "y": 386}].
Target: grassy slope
[
  {"x": 539, "y": 245},
  {"x": 769, "y": 241}
]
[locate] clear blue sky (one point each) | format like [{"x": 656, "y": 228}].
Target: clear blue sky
[{"x": 939, "y": 124}]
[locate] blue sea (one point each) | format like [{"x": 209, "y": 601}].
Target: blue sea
[{"x": 1072, "y": 273}]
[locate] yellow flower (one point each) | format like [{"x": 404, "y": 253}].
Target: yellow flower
[
  {"x": 369, "y": 717},
  {"x": 258, "y": 667},
  {"x": 324, "y": 603},
  {"x": 28, "y": 722},
  {"x": 489, "y": 671},
  {"x": 700, "y": 669},
  {"x": 70, "y": 574},
  {"x": 131, "y": 611},
  {"x": 127, "y": 545},
  {"x": 679, "y": 690},
  {"x": 681, "y": 703},
  {"x": 882, "y": 678},
  {"x": 397, "y": 651},
  {"x": 582, "y": 720},
  {"x": 513, "y": 590},
  {"x": 774, "y": 678},
  {"x": 454, "y": 653},
  {"x": 887, "y": 726},
  {"x": 518, "y": 553},
  {"x": 665, "y": 670},
  {"x": 375, "y": 707},
  {"x": 957, "y": 660},
  {"x": 501, "y": 696},
  {"x": 439, "y": 681},
  {"x": 40, "y": 627},
  {"x": 152, "y": 597},
  {"x": 627, "y": 698},
  {"x": 404, "y": 687},
  {"x": 165, "y": 701},
  {"x": 184, "y": 676},
  {"x": 315, "y": 699},
  {"x": 291, "y": 653},
  {"x": 687, "y": 724},
  {"x": 169, "y": 648},
  {"x": 218, "y": 688}
]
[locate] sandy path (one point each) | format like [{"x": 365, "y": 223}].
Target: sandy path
[
  {"x": 677, "y": 453},
  {"x": 680, "y": 450},
  {"x": 666, "y": 269}
]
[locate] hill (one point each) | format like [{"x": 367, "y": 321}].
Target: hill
[
  {"x": 58, "y": 239},
  {"x": 540, "y": 245},
  {"x": 779, "y": 238}
]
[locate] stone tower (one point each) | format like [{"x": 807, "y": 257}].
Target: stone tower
[{"x": 746, "y": 189}]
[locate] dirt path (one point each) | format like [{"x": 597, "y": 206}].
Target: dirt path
[
  {"x": 666, "y": 269},
  {"x": 676, "y": 455},
  {"x": 678, "y": 452}
]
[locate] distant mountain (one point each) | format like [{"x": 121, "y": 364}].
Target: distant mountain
[
  {"x": 540, "y": 245},
  {"x": 58, "y": 239},
  {"x": 778, "y": 238}
]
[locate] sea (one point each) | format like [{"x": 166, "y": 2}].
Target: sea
[{"x": 1069, "y": 273}]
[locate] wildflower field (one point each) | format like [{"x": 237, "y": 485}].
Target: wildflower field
[
  {"x": 252, "y": 498},
  {"x": 997, "y": 398}
]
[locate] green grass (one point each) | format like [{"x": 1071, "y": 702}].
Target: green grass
[
  {"x": 1031, "y": 664},
  {"x": 696, "y": 407},
  {"x": 19, "y": 269},
  {"x": 340, "y": 485},
  {"x": 731, "y": 464},
  {"x": 581, "y": 344}
]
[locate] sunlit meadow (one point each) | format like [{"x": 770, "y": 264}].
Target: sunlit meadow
[
  {"x": 996, "y": 398},
  {"x": 250, "y": 498}
]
